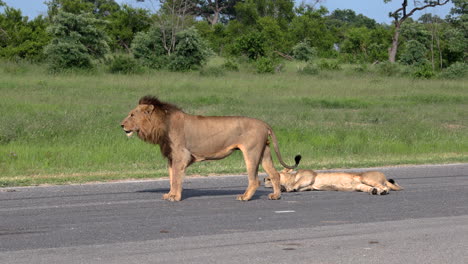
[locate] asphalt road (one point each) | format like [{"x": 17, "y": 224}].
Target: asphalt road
[{"x": 128, "y": 223}]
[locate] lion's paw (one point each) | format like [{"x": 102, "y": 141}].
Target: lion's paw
[
  {"x": 274, "y": 196},
  {"x": 242, "y": 197},
  {"x": 171, "y": 197}
]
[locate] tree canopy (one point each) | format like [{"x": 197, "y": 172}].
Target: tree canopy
[{"x": 253, "y": 29}]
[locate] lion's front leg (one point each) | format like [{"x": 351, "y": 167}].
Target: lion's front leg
[{"x": 175, "y": 192}]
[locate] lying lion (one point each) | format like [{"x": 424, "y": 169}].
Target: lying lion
[{"x": 372, "y": 182}]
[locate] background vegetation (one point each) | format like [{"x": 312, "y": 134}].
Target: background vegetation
[
  {"x": 65, "y": 128},
  {"x": 322, "y": 80}
]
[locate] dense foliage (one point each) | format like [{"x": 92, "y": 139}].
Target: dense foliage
[
  {"x": 257, "y": 30},
  {"x": 77, "y": 41}
]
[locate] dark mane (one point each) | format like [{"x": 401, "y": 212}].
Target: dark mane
[
  {"x": 153, "y": 100},
  {"x": 157, "y": 132}
]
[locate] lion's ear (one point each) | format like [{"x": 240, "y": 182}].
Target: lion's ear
[{"x": 149, "y": 109}]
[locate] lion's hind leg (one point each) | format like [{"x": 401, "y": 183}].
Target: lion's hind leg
[
  {"x": 273, "y": 175},
  {"x": 370, "y": 189},
  {"x": 252, "y": 161}
]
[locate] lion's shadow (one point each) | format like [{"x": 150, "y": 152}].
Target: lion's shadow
[{"x": 189, "y": 193}]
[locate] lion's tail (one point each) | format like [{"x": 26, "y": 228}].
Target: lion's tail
[
  {"x": 297, "y": 159},
  {"x": 393, "y": 185}
]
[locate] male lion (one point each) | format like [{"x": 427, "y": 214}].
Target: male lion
[
  {"x": 372, "y": 182},
  {"x": 185, "y": 139}
]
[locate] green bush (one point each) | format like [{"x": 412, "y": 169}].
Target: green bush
[
  {"x": 309, "y": 69},
  {"x": 457, "y": 70},
  {"x": 361, "y": 68},
  {"x": 423, "y": 72},
  {"x": 124, "y": 64},
  {"x": 191, "y": 51},
  {"x": 331, "y": 65},
  {"x": 67, "y": 54},
  {"x": 304, "y": 52},
  {"x": 265, "y": 65},
  {"x": 231, "y": 65},
  {"x": 388, "y": 69},
  {"x": 78, "y": 41},
  {"x": 212, "y": 71},
  {"x": 414, "y": 53},
  {"x": 251, "y": 45},
  {"x": 148, "y": 49}
]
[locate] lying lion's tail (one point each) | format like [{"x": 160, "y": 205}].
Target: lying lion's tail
[
  {"x": 393, "y": 185},
  {"x": 275, "y": 146}
]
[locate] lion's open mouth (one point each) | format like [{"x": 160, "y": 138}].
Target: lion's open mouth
[{"x": 129, "y": 133}]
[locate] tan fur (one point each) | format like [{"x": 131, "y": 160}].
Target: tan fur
[
  {"x": 372, "y": 182},
  {"x": 185, "y": 139}
]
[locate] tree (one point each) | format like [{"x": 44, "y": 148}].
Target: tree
[
  {"x": 100, "y": 8},
  {"x": 78, "y": 41},
  {"x": 311, "y": 25},
  {"x": 20, "y": 37},
  {"x": 212, "y": 10},
  {"x": 249, "y": 11},
  {"x": 173, "y": 17},
  {"x": 147, "y": 47},
  {"x": 349, "y": 18},
  {"x": 191, "y": 51},
  {"x": 401, "y": 14},
  {"x": 124, "y": 24}
]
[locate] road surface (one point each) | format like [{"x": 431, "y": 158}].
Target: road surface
[{"x": 127, "y": 222}]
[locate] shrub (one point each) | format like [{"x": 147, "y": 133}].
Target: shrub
[
  {"x": 67, "y": 54},
  {"x": 362, "y": 68},
  {"x": 77, "y": 42},
  {"x": 251, "y": 45},
  {"x": 265, "y": 65},
  {"x": 423, "y": 71},
  {"x": 332, "y": 65},
  {"x": 388, "y": 69},
  {"x": 414, "y": 53},
  {"x": 231, "y": 65},
  {"x": 457, "y": 70},
  {"x": 148, "y": 49},
  {"x": 304, "y": 52},
  {"x": 124, "y": 64},
  {"x": 309, "y": 69},
  {"x": 191, "y": 51}
]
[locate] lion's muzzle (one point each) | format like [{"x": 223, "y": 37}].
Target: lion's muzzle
[{"x": 129, "y": 133}]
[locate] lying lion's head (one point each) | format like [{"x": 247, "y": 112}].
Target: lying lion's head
[{"x": 285, "y": 176}]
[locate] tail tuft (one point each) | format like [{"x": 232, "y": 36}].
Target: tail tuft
[
  {"x": 393, "y": 185},
  {"x": 297, "y": 159}
]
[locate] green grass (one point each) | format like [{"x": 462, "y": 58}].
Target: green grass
[{"x": 59, "y": 129}]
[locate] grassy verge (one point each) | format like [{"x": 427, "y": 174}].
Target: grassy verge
[{"x": 63, "y": 129}]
